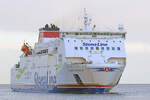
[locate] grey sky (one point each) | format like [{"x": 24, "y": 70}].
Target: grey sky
[{"x": 20, "y": 20}]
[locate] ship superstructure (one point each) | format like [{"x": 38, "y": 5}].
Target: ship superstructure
[{"x": 87, "y": 61}]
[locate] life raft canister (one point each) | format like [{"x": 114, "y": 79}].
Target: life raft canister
[{"x": 107, "y": 69}]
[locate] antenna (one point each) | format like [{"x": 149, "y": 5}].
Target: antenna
[
  {"x": 120, "y": 27},
  {"x": 24, "y": 41},
  {"x": 94, "y": 26}
]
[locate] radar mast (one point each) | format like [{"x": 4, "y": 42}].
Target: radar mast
[{"x": 86, "y": 21}]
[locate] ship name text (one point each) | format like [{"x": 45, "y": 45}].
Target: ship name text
[{"x": 95, "y": 44}]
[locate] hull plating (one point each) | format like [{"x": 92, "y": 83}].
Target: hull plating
[{"x": 92, "y": 80}]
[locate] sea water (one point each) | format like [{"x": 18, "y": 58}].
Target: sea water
[{"x": 120, "y": 92}]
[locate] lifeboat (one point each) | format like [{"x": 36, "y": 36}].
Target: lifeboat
[{"x": 26, "y": 49}]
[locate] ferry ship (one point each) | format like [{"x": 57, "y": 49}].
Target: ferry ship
[{"x": 82, "y": 61}]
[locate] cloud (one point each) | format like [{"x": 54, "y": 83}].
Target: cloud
[
  {"x": 13, "y": 40},
  {"x": 138, "y": 47}
]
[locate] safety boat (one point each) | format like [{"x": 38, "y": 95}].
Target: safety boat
[{"x": 83, "y": 61}]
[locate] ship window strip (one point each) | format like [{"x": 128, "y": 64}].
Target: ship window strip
[{"x": 97, "y": 48}]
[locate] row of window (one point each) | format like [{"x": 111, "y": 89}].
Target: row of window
[
  {"x": 97, "y": 41},
  {"x": 105, "y": 33},
  {"x": 97, "y": 48}
]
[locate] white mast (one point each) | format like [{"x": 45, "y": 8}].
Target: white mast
[{"x": 86, "y": 21}]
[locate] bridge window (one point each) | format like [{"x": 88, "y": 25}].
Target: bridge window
[
  {"x": 107, "y": 48},
  {"x": 86, "y": 48},
  {"x": 113, "y": 48},
  {"x": 118, "y": 48},
  {"x": 102, "y": 48},
  {"x": 81, "y": 48},
  {"x": 76, "y": 33},
  {"x": 92, "y": 48},
  {"x": 76, "y": 48},
  {"x": 97, "y": 48}
]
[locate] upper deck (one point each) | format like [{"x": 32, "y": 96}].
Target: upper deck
[
  {"x": 92, "y": 34},
  {"x": 82, "y": 34}
]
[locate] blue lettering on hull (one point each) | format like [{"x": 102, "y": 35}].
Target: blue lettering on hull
[
  {"x": 44, "y": 82},
  {"x": 95, "y": 44},
  {"x": 47, "y": 83}
]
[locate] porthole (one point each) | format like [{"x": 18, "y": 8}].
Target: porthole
[
  {"x": 97, "y": 48},
  {"x": 107, "y": 48},
  {"x": 102, "y": 48},
  {"x": 113, "y": 48},
  {"x": 76, "y": 33},
  {"x": 118, "y": 48},
  {"x": 81, "y": 48},
  {"x": 86, "y": 48},
  {"x": 92, "y": 48},
  {"x": 76, "y": 48}
]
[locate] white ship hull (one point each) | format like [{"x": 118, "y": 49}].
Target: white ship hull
[{"x": 69, "y": 78}]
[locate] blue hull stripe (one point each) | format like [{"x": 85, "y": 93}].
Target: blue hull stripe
[
  {"x": 61, "y": 90},
  {"x": 103, "y": 69}
]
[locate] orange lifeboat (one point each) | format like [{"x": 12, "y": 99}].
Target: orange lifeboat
[{"x": 26, "y": 49}]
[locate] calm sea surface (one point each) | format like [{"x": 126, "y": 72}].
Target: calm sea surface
[{"x": 121, "y": 92}]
